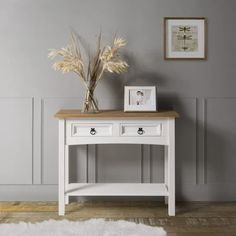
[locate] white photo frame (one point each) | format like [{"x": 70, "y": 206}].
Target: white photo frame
[{"x": 140, "y": 98}]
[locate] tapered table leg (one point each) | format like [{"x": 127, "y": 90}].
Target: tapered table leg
[
  {"x": 166, "y": 170},
  {"x": 66, "y": 171},
  {"x": 61, "y": 192},
  {"x": 171, "y": 168}
]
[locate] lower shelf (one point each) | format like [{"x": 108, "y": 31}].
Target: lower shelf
[{"x": 119, "y": 189}]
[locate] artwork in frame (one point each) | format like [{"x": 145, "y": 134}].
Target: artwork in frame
[
  {"x": 185, "y": 38},
  {"x": 140, "y": 98}
]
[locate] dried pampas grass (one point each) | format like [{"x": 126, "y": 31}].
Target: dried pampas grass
[{"x": 104, "y": 61}]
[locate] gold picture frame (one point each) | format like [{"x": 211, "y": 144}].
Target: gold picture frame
[{"x": 185, "y": 38}]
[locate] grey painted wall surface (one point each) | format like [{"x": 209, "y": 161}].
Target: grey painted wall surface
[{"x": 203, "y": 92}]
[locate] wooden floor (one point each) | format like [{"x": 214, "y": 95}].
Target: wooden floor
[{"x": 192, "y": 219}]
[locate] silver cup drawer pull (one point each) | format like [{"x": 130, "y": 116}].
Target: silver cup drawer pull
[
  {"x": 93, "y": 131},
  {"x": 140, "y": 131}
]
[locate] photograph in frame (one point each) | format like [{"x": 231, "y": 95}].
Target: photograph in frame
[
  {"x": 140, "y": 98},
  {"x": 184, "y": 38}
]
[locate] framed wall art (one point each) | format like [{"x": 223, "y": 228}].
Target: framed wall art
[
  {"x": 140, "y": 98},
  {"x": 185, "y": 38}
]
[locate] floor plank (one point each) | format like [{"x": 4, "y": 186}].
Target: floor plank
[{"x": 195, "y": 218}]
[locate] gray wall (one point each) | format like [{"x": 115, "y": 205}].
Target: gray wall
[{"x": 203, "y": 92}]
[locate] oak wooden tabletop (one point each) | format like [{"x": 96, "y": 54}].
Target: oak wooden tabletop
[{"x": 114, "y": 114}]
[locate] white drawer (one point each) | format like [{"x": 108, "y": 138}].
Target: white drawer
[
  {"x": 90, "y": 130},
  {"x": 136, "y": 130}
]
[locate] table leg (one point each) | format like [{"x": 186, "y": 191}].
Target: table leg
[
  {"x": 66, "y": 171},
  {"x": 171, "y": 168},
  {"x": 61, "y": 172},
  {"x": 166, "y": 169}
]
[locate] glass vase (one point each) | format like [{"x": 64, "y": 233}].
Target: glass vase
[{"x": 90, "y": 103}]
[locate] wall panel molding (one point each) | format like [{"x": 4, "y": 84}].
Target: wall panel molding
[
  {"x": 204, "y": 141},
  {"x": 146, "y": 164},
  {"x": 186, "y": 138},
  {"x": 16, "y": 126},
  {"x": 197, "y": 140},
  {"x": 92, "y": 164},
  {"x": 219, "y": 131},
  {"x": 199, "y": 113},
  {"x": 141, "y": 163},
  {"x": 42, "y": 141},
  {"x": 195, "y": 157},
  {"x": 49, "y": 136}
]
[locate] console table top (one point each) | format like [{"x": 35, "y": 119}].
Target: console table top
[{"x": 114, "y": 114}]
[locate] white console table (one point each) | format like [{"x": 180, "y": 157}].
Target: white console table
[{"x": 155, "y": 128}]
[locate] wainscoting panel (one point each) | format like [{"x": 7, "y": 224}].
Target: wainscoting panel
[
  {"x": 157, "y": 164},
  {"x": 220, "y": 137},
  {"x": 146, "y": 163},
  {"x": 119, "y": 163},
  {"x": 186, "y": 142},
  {"x": 16, "y": 123},
  {"x": 78, "y": 164},
  {"x": 50, "y": 142},
  {"x": 34, "y": 135}
]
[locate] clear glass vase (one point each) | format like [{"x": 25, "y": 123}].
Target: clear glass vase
[{"x": 90, "y": 103}]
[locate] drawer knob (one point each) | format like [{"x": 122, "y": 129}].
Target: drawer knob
[
  {"x": 140, "y": 131},
  {"x": 92, "y": 131}
]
